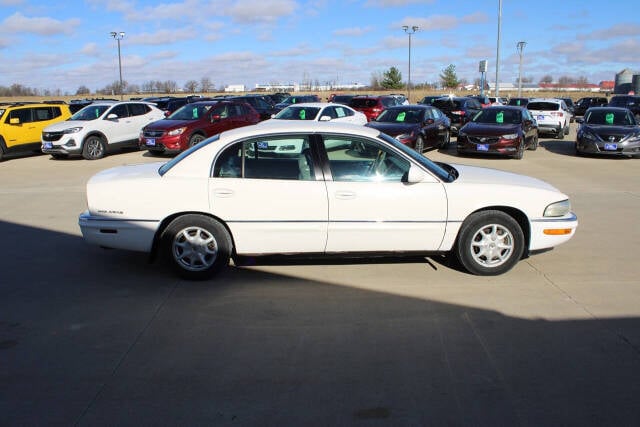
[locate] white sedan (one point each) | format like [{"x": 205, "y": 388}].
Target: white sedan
[
  {"x": 322, "y": 112},
  {"x": 243, "y": 192}
]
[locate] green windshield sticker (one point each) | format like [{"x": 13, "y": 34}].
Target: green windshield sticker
[
  {"x": 194, "y": 113},
  {"x": 500, "y": 117},
  {"x": 401, "y": 116},
  {"x": 609, "y": 118},
  {"x": 517, "y": 102},
  {"x": 302, "y": 114}
]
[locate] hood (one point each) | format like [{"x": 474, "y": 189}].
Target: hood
[
  {"x": 66, "y": 124},
  {"x": 165, "y": 124},
  {"x": 610, "y": 130},
  {"x": 393, "y": 129},
  {"x": 481, "y": 175},
  {"x": 487, "y": 129}
]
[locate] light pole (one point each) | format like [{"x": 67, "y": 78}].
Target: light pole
[
  {"x": 498, "y": 49},
  {"x": 520, "y": 46},
  {"x": 119, "y": 36},
  {"x": 409, "y": 32}
]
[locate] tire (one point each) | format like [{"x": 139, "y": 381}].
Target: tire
[
  {"x": 489, "y": 243},
  {"x": 195, "y": 139},
  {"x": 560, "y": 133},
  {"x": 520, "y": 153},
  {"x": 419, "y": 147},
  {"x": 93, "y": 148},
  {"x": 197, "y": 247},
  {"x": 446, "y": 140},
  {"x": 567, "y": 129},
  {"x": 1, "y": 154},
  {"x": 534, "y": 144}
]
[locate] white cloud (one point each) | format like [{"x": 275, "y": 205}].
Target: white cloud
[
  {"x": 268, "y": 11},
  {"x": 18, "y": 23},
  {"x": 353, "y": 32}
]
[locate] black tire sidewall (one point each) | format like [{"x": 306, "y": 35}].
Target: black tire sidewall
[
  {"x": 472, "y": 224},
  {"x": 217, "y": 230},
  {"x": 85, "y": 145}
]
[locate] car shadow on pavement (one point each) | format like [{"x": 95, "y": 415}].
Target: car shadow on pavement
[{"x": 97, "y": 337}]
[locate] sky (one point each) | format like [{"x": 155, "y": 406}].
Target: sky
[{"x": 63, "y": 45}]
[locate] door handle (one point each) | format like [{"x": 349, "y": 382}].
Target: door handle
[
  {"x": 345, "y": 195},
  {"x": 223, "y": 192}
]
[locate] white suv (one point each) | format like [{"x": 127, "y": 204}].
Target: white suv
[
  {"x": 553, "y": 116},
  {"x": 99, "y": 128}
]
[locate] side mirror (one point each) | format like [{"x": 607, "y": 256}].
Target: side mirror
[
  {"x": 14, "y": 121},
  {"x": 215, "y": 118},
  {"x": 112, "y": 117},
  {"x": 414, "y": 175},
  {"x": 528, "y": 122},
  {"x": 430, "y": 121},
  {"x": 325, "y": 118}
]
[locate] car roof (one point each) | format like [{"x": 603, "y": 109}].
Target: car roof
[
  {"x": 609, "y": 108},
  {"x": 317, "y": 104}
]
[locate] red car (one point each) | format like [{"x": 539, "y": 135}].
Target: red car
[
  {"x": 372, "y": 106},
  {"x": 195, "y": 122}
]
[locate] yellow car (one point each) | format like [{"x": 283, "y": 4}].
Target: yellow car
[{"x": 21, "y": 125}]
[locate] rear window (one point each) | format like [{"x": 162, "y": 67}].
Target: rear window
[
  {"x": 364, "y": 103},
  {"x": 543, "y": 106},
  {"x": 446, "y": 104}
]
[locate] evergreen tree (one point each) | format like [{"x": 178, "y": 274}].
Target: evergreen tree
[
  {"x": 449, "y": 78},
  {"x": 392, "y": 79}
]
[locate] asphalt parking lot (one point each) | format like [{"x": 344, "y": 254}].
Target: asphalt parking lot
[{"x": 96, "y": 337}]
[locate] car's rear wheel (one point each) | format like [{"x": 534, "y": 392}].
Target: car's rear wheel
[
  {"x": 198, "y": 247},
  {"x": 93, "y": 148},
  {"x": 419, "y": 144},
  {"x": 490, "y": 243},
  {"x": 195, "y": 139},
  {"x": 534, "y": 143},
  {"x": 446, "y": 140},
  {"x": 560, "y": 132}
]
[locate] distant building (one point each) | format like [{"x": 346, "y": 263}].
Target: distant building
[{"x": 235, "y": 88}]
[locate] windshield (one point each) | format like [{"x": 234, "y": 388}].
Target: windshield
[
  {"x": 363, "y": 103},
  {"x": 447, "y": 104},
  {"x": 298, "y": 113},
  {"x": 191, "y": 112},
  {"x": 401, "y": 115},
  {"x": 609, "y": 118},
  {"x": 90, "y": 112},
  {"x": 436, "y": 169},
  {"x": 2, "y": 110},
  {"x": 498, "y": 116}
]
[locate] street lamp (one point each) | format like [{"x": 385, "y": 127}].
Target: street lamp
[
  {"x": 119, "y": 36},
  {"x": 520, "y": 46},
  {"x": 409, "y": 32},
  {"x": 497, "y": 94}
]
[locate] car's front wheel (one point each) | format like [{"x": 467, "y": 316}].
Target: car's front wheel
[
  {"x": 534, "y": 143},
  {"x": 93, "y": 148},
  {"x": 195, "y": 139},
  {"x": 446, "y": 140},
  {"x": 490, "y": 243},
  {"x": 419, "y": 144},
  {"x": 197, "y": 246}
]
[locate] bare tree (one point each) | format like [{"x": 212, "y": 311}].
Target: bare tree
[
  {"x": 191, "y": 86},
  {"x": 547, "y": 78},
  {"x": 205, "y": 85}
]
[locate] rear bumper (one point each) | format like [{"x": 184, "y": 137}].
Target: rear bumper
[{"x": 132, "y": 235}]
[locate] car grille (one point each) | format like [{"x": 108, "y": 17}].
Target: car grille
[
  {"x": 153, "y": 133},
  {"x": 51, "y": 136},
  {"x": 484, "y": 139},
  {"x": 611, "y": 138}
]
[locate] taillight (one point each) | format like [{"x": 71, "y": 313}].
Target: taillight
[
  {"x": 458, "y": 113},
  {"x": 557, "y": 113},
  {"x": 376, "y": 110}
]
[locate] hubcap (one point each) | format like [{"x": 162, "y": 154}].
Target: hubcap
[
  {"x": 492, "y": 245},
  {"x": 195, "y": 248},
  {"x": 94, "y": 148}
]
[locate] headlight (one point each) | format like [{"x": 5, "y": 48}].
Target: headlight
[
  {"x": 589, "y": 136},
  {"x": 72, "y": 130},
  {"x": 510, "y": 136},
  {"x": 178, "y": 131},
  {"x": 558, "y": 209},
  {"x": 635, "y": 137},
  {"x": 405, "y": 136}
]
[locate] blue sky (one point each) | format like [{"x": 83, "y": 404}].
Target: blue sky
[{"x": 62, "y": 45}]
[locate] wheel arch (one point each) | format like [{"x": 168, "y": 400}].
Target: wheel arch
[
  {"x": 169, "y": 219},
  {"x": 519, "y": 216},
  {"x": 98, "y": 134}
]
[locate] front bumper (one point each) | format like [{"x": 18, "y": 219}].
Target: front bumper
[
  {"x": 608, "y": 149},
  {"x": 169, "y": 145},
  {"x": 549, "y": 232},
  {"x": 66, "y": 146},
  {"x": 115, "y": 233}
]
